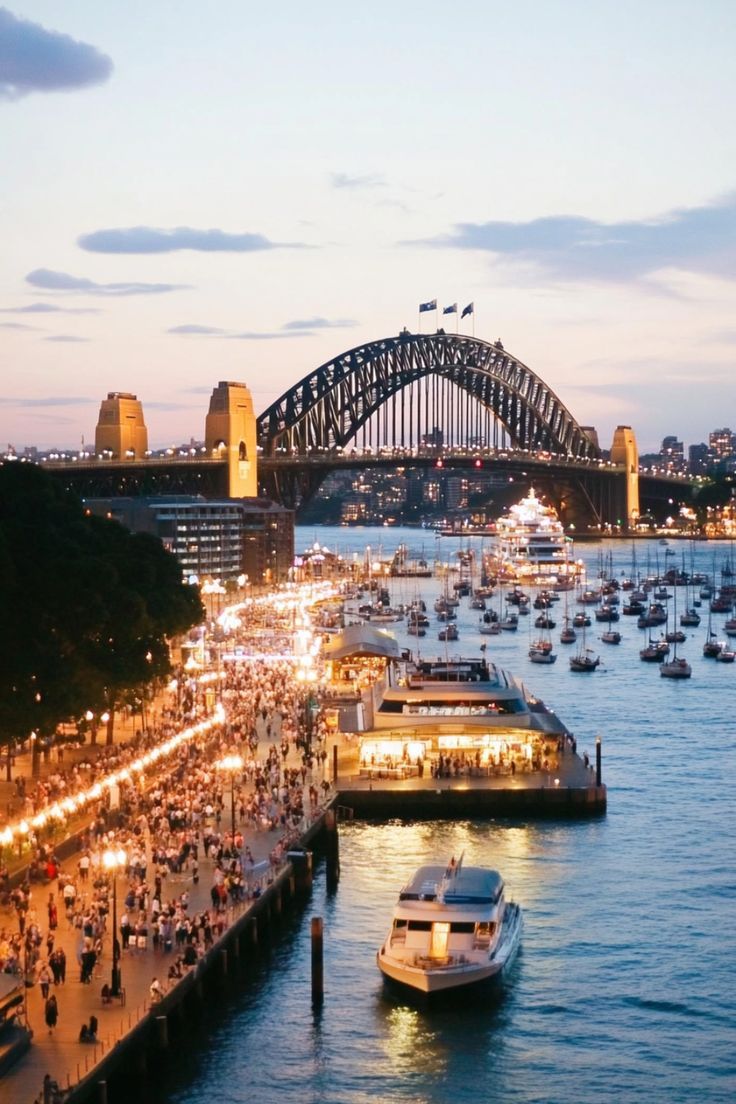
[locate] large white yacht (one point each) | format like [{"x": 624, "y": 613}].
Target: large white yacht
[
  {"x": 531, "y": 547},
  {"x": 452, "y": 930}
]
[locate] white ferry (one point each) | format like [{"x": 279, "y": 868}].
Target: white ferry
[
  {"x": 452, "y": 930},
  {"x": 531, "y": 548}
]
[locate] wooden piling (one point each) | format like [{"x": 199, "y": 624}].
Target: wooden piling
[
  {"x": 598, "y": 771},
  {"x": 162, "y": 1032},
  {"x": 318, "y": 981}
]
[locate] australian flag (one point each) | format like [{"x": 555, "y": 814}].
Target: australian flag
[
  {"x": 452, "y": 309},
  {"x": 431, "y": 305},
  {"x": 468, "y": 310}
]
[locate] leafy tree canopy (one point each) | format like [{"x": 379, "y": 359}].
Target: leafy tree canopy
[{"x": 87, "y": 605}]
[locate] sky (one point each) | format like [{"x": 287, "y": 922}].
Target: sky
[{"x": 199, "y": 192}]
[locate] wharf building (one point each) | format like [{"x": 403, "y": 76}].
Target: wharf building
[{"x": 218, "y": 538}]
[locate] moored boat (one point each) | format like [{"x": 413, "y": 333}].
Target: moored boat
[{"x": 452, "y": 930}]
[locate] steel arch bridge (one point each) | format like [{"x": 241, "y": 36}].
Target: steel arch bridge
[
  {"x": 399, "y": 391},
  {"x": 470, "y": 388}
]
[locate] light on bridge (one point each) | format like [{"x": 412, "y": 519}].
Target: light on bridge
[{"x": 439, "y": 464}]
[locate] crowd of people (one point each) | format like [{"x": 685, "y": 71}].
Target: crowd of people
[{"x": 190, "y": 822}]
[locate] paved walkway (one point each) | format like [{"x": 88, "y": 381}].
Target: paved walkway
[{"x": 61, "y": 1054}]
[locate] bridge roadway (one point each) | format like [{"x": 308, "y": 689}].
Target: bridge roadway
[{"x": 586, "y": 492}]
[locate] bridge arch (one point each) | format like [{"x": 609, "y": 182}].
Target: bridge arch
[{"x": 329, "y": 406}]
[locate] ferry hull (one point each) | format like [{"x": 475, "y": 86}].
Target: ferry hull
[{"x": 465, "y": 978}]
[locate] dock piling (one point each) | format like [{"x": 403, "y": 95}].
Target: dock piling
[
  {"x": 598, "y": 772},
  {"x": 318, "y": 987}
]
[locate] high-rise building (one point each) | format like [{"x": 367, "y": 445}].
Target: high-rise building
[
  {"x": 721, "y": 444},
  {"x": 697, "y": 459},
  {"x": 672, "y": 454}
]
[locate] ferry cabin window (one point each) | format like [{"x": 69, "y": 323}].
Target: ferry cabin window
[
  {"x": 485, "y": 929},
  {"x": 439, "y": 708},
  {"x": 400, "y": 925},
  {"x": 420, "y": 925},
  {"x": 461, "y": 927}
]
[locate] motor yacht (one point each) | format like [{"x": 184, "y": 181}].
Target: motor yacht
[
  {"x": 452, "y": 930},
  {"x": 531, "y": 547}
]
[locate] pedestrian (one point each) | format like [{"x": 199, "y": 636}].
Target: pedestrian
[
  {"x": 45, "y": 977},
  {"x": 156, "y": 991},
  {"x": 51, "y": 1013},
  {"x": 60, "y": 954}
]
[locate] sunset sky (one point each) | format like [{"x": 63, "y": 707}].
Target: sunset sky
[{"x": 192, "y": 193}]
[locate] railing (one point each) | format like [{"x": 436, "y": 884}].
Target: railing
[{"x": 257, "y": 883}]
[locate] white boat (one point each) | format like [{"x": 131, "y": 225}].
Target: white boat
[
  {"x": 452, "y": 931},
  {"x": 531, "y": 547}
]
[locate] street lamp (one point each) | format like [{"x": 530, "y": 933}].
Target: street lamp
[
  {"x": 112, "y": 860},
  {"x": 233, "y": 764}
]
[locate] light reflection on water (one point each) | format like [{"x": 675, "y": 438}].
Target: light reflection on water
[{"x": 625, "y": 985}]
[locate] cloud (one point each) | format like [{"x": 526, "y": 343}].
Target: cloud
[
  {"x": 279, "y": 335},
  {"x": 146, "y": 239},
  {"x": 48, "y": 308},
  {"x": 570, "y": 248},
  {"x": 319, "y": 324},
  {"x": 368, "y": 180},
  {"x": 33, "y": 59},
  {"x": 65, "y": 338},
  {"x": 16, "y": 326},
  {"x": 62, "y": 281},
  {"x": 297, "y": 328},
  {"x": 192, "y": 328}
]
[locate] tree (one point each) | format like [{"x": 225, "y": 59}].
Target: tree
[{"x": 87, "y": 606}]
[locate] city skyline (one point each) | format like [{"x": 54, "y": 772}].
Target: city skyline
[{"x": 190, "y": 198}]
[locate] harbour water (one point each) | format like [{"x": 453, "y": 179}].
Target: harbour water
[{"x": 626, "y": 987}]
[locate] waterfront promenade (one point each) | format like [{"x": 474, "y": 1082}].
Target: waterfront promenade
[{"x": 60, "y": 1054}]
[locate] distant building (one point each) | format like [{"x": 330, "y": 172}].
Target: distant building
[
  {"x": 212, "y": 539},
  {"x": 697, "y": 459},
  {"x": 672, "y": 454},
  {"x": 592, "y": 433},
  {"x": 721, "y": 444},
  {"x": 435, "y": 439},
  {"x": 456, "y": 493}
]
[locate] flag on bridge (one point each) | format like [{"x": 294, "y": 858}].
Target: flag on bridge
[
  {"x": 431, "y": 305},
  {"x": 470, "y": 309},
  {"x": 452, "y": 309}
]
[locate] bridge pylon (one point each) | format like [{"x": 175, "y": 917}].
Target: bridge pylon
[
  {"x": 230, "y": 432},
  {"x": 121, "y": 430},
  {"x": 625, "y": 452}
]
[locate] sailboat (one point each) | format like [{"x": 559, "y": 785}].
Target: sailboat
[
  {"x": 540, "y": 650},
  {"x": 568, "y": 634},
  {"x": 712, "y": 645},
  {"x": 677, "y": 667},
  {"x": 611, "y": 636},
  {"x": 584, "y": 660}
]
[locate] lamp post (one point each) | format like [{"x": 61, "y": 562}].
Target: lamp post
[
  {"x": 232, "y": 764},
  {"x": 112, "y": 861}
]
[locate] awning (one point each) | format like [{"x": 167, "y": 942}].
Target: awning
[{"x": 362, "y": 640}]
